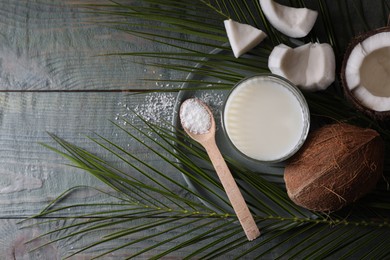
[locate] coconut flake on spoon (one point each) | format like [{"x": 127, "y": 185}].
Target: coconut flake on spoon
[
  {"x": 311, "y": 66},
  {"x": 291, "y": 21},
  {"x": 242, "y": 37},
  {"x": 198, "y": 122},
  {"x": 366, "y": 73}
]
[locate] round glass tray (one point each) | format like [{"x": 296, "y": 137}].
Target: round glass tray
[{"x": 215, "y": 98}]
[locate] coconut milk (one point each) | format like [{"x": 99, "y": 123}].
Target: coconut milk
[{"x": 266, "y": 118}]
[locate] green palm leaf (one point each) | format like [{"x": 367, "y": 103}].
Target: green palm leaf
[
  {"x": 288, "y": 230},
  {"x": 305, "y": 231}
]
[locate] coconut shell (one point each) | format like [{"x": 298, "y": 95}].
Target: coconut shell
[
  {"x": 337, "y": 165},
  {"x": 380, "y": 115}
]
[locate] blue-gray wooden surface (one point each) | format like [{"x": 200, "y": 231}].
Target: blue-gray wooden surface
[
  {"x": 48, "y": 47},
  {"x": 51, "y": 77}
]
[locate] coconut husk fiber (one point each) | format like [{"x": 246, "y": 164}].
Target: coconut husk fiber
[{"x": 337, "y": 165}]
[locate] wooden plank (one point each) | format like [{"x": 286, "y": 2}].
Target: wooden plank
[
  {"x": 56, "y": 45},
  {"x": 14, "y": 242},
  {"x": 30, "y": 174}
]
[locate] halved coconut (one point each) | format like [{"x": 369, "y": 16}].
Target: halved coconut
[
  {"x": 311, "y": 66},
  {"x": 291, "y": 21},
  {"x": 365, "y": 73},
  {"x": 242, "y": 37}
]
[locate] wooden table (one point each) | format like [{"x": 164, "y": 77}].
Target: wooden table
[{"x": 52, "y": 79}]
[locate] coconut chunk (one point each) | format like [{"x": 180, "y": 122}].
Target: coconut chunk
[
  {"x": 375, "y": 42},
  {"x": 242, "y": 37},
  {"x": 310, "y": 66},
  {"x": 369, "y": 65},
  {"x": 338, "y": 164},
  {"x": 369, "y": 100},
  {"x": 352, "y": 74},
  {"x": 320, "y": 71},
  {"x": 366, "y": 72},
  {"x": 285, "y": 62},
  {"x": 291, "y": 21},
  {"x": 275, "y": 61}
]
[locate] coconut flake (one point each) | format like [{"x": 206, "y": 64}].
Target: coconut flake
[
  {"x": 242, "y": 37},
  {"x": 194, "y": 117},
  {"x": 293, "y": 22}
]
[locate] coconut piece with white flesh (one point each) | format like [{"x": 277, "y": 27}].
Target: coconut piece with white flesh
[
  {"x": 311, "y": 66},
  {"x": 366, "y": 72},
  {"x": 291, "y": 21},
  {"x": 242, "y": 37}
]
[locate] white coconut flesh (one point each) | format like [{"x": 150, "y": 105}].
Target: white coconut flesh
[
  {"x": 291, "y": 21},
  {"x": 367, "y": 72},
  {"x": 242, "y": 37},
  {"x": 311, "y": 66}
]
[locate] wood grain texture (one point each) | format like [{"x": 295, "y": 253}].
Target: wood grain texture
[
  {"x": 51, "y": 45},
  {"x": 52, "y": 79},
  {"x": 16, "y": 245},
  {"x": 32, "y": 175}
]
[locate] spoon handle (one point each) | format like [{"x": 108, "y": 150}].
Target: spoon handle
[{"x": 233, "y": 192}]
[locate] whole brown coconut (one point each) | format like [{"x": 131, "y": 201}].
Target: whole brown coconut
[
  {"x": 373, "y": 73},
  {"x": 337, "y": 165}
]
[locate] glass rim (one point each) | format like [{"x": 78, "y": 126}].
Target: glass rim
[{"x": 301, "y": 100}]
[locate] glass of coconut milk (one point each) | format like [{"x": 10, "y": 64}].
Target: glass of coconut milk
[{"x": 266, "y": 118}]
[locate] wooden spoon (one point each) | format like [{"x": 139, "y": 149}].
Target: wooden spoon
[{"x": 207, "y": 140}]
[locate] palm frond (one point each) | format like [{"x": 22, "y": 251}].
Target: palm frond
[
  {"x": 279, "y": 218},
  {"x": 288, "y": 230}
]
